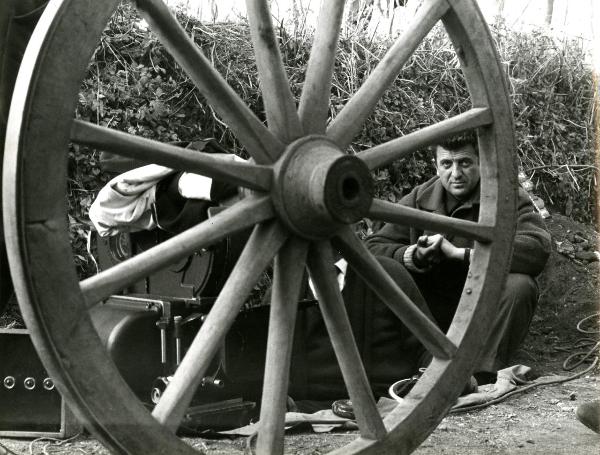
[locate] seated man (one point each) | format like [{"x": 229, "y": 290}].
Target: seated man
[
  {"x": 438, "y": 264},
  {"x": 431, "y": 269}
]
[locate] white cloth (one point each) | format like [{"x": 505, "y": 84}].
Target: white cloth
[
  {"x": 125, "y": 203},
  {"x": 342, "y": 267},
  {"x": 508, "y": 379},
  {"x": 194, "y": 186}
]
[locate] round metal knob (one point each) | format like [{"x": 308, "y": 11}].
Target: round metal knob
[
  {"x": 9, "y": 382},
  {"x": 158, "y": 387},
  {"x": 48, "y": 384},
  {"x": 29, "y": 383}
]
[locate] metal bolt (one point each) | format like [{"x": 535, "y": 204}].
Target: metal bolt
[
  {"x": 29, "y": 383},
  {"x": 468, "y": 290},
  {"x": 213, "y": 382},
  {"x": 158, "y": 388},
  {"x": 155, "y": 395},
  {"x": 48, "y": 384},
  {"x": 9, "y": 382}
]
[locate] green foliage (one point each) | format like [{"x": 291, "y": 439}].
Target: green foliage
[
  {"x": 553, "y": 103},
  {"x": 134, "y": 85}
]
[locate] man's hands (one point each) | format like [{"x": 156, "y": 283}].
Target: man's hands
[
  {"x": 432, "y": 249},
  {"x": 429, "y": 251}
]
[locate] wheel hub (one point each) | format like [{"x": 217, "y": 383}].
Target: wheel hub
[{"x": 318, "y": 188}]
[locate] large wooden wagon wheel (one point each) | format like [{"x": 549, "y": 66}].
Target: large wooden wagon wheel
[{"x": 306, "y": 194}]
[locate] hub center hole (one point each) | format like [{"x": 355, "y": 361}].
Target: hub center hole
[{"x": 350, "y": 188}]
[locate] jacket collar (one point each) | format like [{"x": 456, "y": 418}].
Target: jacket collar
[{"x": 434, "y": 198}]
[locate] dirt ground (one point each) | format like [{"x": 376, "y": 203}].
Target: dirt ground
[{"x": 541, "y": 420}]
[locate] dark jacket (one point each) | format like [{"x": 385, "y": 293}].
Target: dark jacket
[{"x": 532, "y": 240}]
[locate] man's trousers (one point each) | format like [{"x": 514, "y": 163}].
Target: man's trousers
[{"x": 389, "y": 351}]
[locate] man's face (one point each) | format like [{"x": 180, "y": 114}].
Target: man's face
[{"x": 458, "y": 170}]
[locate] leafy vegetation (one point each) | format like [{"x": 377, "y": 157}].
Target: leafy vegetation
[{"x": 134, "y": 85}]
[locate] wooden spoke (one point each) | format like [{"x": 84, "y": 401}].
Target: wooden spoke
[
  {"x": 314, "y": 102},
  {"x": 288, "y": 275},
  {"x": 282, "y": 117},
  {"x": 321, "y": 269},
  {"x": 265, "y": 241},
  {"x": 399, "y": 148},
  {"x": 373, "y": 273},
  {"x": 349, "y": 121},
  {"x": 400, "y": 214},
  {"x": 258, "y": 140},
  {"x": 247, "y": 175},
  {"x": 242, "y": 215}
]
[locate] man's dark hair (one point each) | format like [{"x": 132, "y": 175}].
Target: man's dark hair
[{"x": 459, "y": 140}]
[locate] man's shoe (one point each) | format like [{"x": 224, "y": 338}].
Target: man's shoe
[
  {"x": 400, "y": 389},
  {"x": 470, "y": 387},
  {"x": 343, "y": 408},
  {"x": 589, "y": 414}
]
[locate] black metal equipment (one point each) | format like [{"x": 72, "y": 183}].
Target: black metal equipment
[
  {"x": 201, "y": 274},
  {"x": 147, "y": 336},
  {"x": 30, "y": 405}
]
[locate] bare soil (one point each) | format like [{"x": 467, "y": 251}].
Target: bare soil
[{"x": 541, "y": 420}]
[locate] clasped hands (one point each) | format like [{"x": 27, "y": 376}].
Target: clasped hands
[{"x": 432, "y": 249}]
